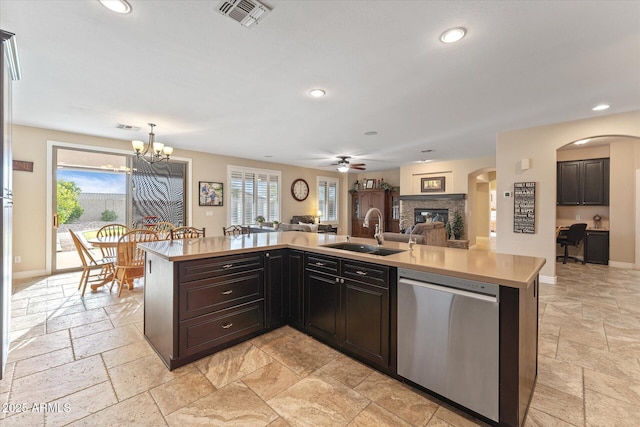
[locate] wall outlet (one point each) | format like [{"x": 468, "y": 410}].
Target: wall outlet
[
  {"x": 209, "y": 213},
  {"x": 18, "y": 260},
  {"x": 577, "y": 217}
]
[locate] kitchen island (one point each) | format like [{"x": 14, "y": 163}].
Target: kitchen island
[{"x": 204, "y": 295}]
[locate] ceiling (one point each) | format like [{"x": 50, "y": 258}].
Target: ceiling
[{"x": 212, "y": 85}]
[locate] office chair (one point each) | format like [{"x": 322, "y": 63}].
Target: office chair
[{"x": 572, "y": 237}]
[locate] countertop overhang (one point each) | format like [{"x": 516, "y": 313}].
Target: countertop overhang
[{"x": 516, "y": 271}]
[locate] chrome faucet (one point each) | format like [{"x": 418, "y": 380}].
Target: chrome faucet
[
  {"x": 411, "y": 242},
  {"x": 379, "y": 226}
]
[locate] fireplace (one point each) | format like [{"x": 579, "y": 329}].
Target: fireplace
[{"x": 430, "y": 215}]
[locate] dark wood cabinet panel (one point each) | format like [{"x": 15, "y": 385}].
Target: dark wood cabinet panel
[
  {"x": 205, "y": 296},
  {"x": 366, "y": 321},
  {"x": 364, "y": 200},
  {"x": 295, "y": 271},
  {"x": 596, "y": 247},
  {"x": 595, "y": 182},
  {"x": 583, "y": 182},
  {"x": 568, "y": 183},
  {"x": 205, "y": 333},
  {"x": 322, "y": 305},
  {"x": 277, "y": 285},
  {"x": 214, "y": 267}
]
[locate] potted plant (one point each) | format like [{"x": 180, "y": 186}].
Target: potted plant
[
  {"x": 259, "y": 219},
  {"x": 457, "y": 225},
  {"x": 276, "y": 224}
]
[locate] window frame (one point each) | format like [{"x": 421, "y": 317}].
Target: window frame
[
  {"x": 256, "y": 173},
  {"x": 324, "y": 209}
]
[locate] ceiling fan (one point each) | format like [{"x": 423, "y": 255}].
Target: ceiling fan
[{"x": 344, "y": 165}]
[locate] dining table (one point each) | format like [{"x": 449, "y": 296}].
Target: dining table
[{"x": 100, "y": 243}]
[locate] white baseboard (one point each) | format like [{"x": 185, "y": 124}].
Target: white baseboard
[
  {"x": 29, "y": 274},
  {"x": 618, "y": 264},
  {"x": 550, "y": 280}
]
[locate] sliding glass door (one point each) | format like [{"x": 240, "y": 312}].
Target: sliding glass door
[{"x": 94, "y": 188}]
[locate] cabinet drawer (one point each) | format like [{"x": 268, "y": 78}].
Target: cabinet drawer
[
  {"x": 367, "y": 273},
  {"x": 321, "y": 263},
  {"x": 206, "y": 332},
  {"x": 214, "y": 267},
  {"x": 209, "y": 295}
]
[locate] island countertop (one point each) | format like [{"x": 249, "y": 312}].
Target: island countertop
[{"x": 515, "y": 271}]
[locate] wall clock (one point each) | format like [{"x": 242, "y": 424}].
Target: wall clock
[{"x": 300, "y": 189}]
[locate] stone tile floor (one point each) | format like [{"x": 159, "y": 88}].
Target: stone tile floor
[{"x": 87, "y": 361}]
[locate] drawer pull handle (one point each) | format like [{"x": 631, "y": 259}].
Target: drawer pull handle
[
  {"x": 227, "y": 266},
  {"x": 227, "y": 325},
  {"x": 320, "y": 264},
  {"x": 361, "y": 273},
  {"x": 227, "y": 292}
]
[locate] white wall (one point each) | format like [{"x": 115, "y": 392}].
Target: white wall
[{"x": 540, "y": 144}]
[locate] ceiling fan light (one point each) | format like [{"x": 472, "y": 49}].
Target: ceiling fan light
[{"x": 343, "y": 168}]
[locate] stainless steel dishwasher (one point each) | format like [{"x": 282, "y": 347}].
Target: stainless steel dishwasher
[{"x": 448, "y": 338}]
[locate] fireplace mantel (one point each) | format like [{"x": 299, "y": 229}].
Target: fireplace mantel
[{"x": 451, "y": 196}]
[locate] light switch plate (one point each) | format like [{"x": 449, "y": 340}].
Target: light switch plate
[
  {"x": 209, "y": 213},
  {"x": 507, "y": 194}
]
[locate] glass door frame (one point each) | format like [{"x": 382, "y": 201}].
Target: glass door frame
[{"x": 52, "y": 146}]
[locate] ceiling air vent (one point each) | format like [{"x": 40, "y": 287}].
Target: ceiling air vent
[
  {"x": 246, "y": 12},
  {"x": 127, "y": 127}
]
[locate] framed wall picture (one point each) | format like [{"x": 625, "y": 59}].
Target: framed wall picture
[
  {"x": 370, "y": 183},
  {"x": 210, "y": 193},
  {"x": 432, "y": 185}
]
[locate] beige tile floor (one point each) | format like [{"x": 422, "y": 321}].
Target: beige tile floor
[{"x": 87, "y": 361}]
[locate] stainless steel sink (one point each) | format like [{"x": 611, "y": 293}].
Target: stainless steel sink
[{"x": 365, "y": 249}]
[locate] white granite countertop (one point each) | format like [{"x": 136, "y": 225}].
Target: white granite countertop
[{"x": 507, "y": 270}]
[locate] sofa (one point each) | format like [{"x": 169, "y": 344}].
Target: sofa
[
  {"x": 310, "y": 219},
  {"x": 426, "y": 233}
]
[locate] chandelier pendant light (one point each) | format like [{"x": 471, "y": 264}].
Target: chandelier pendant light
[{"x": 154, "y": 152}]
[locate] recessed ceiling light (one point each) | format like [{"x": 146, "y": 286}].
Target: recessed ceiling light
[
  {"x": 601, "y": 107},
  {"x": 426, "y": 151},
  {"x": 317, "y": 93},
  {"x": 118, "y": 6},
  {"x": 371, "y": 133},
  {"x": 453, "y": 35},
  {"x": 268, "y": 156},
  {"x": 582, "y": 141}
]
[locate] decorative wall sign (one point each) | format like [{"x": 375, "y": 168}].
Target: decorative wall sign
[
  {"x": 21, "y": 165},
  {"x": 210, "y": 193},
  {"x": 524, "y": 207},
  {"x": 432, "y": 185}
]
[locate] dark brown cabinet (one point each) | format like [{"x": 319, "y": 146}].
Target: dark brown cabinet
[
  {"x": 583, "y": 182},
  {"x": 365, "y": 304},
  {"x": 364, "y": 200},
  {"x": 348, "y": 305},
  {"x": 596, "y": 247},
  {"x": 277, "y": 288},
  {"x": 322, "y": 298},
  {"x": 295, "y": 277}
]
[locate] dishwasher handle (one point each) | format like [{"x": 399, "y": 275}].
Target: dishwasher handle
[{"x": 447, "y": 289}]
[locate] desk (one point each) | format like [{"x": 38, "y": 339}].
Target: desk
[{"x": 596, "y": 244}]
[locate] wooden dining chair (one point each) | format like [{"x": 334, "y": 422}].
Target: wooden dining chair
[
  {"x": 111, "y": 231},
  {"x": 232, "y": 230},
  {"x": 187, "y": 232},
  {"x": 129, "y": 263},
  {"x": 163, "y": 228},
  {"x": 90, "y": 265}
]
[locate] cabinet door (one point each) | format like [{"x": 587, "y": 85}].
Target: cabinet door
[
  {"x": 595, "y": 182},
  {"x": 322, "y": 305},
  {"x": 295, "y": 270},
  {"x": 569, "y": 183},
  {"x": 277, "y": 289},
  {"x": 596, "y": 247},
  {"x": 366, "y": 321}
]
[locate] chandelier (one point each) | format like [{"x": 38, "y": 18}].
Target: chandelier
[{"x": 159, "y": 151}]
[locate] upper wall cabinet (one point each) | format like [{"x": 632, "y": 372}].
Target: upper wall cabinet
[{"x": 583, "y": 182}]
